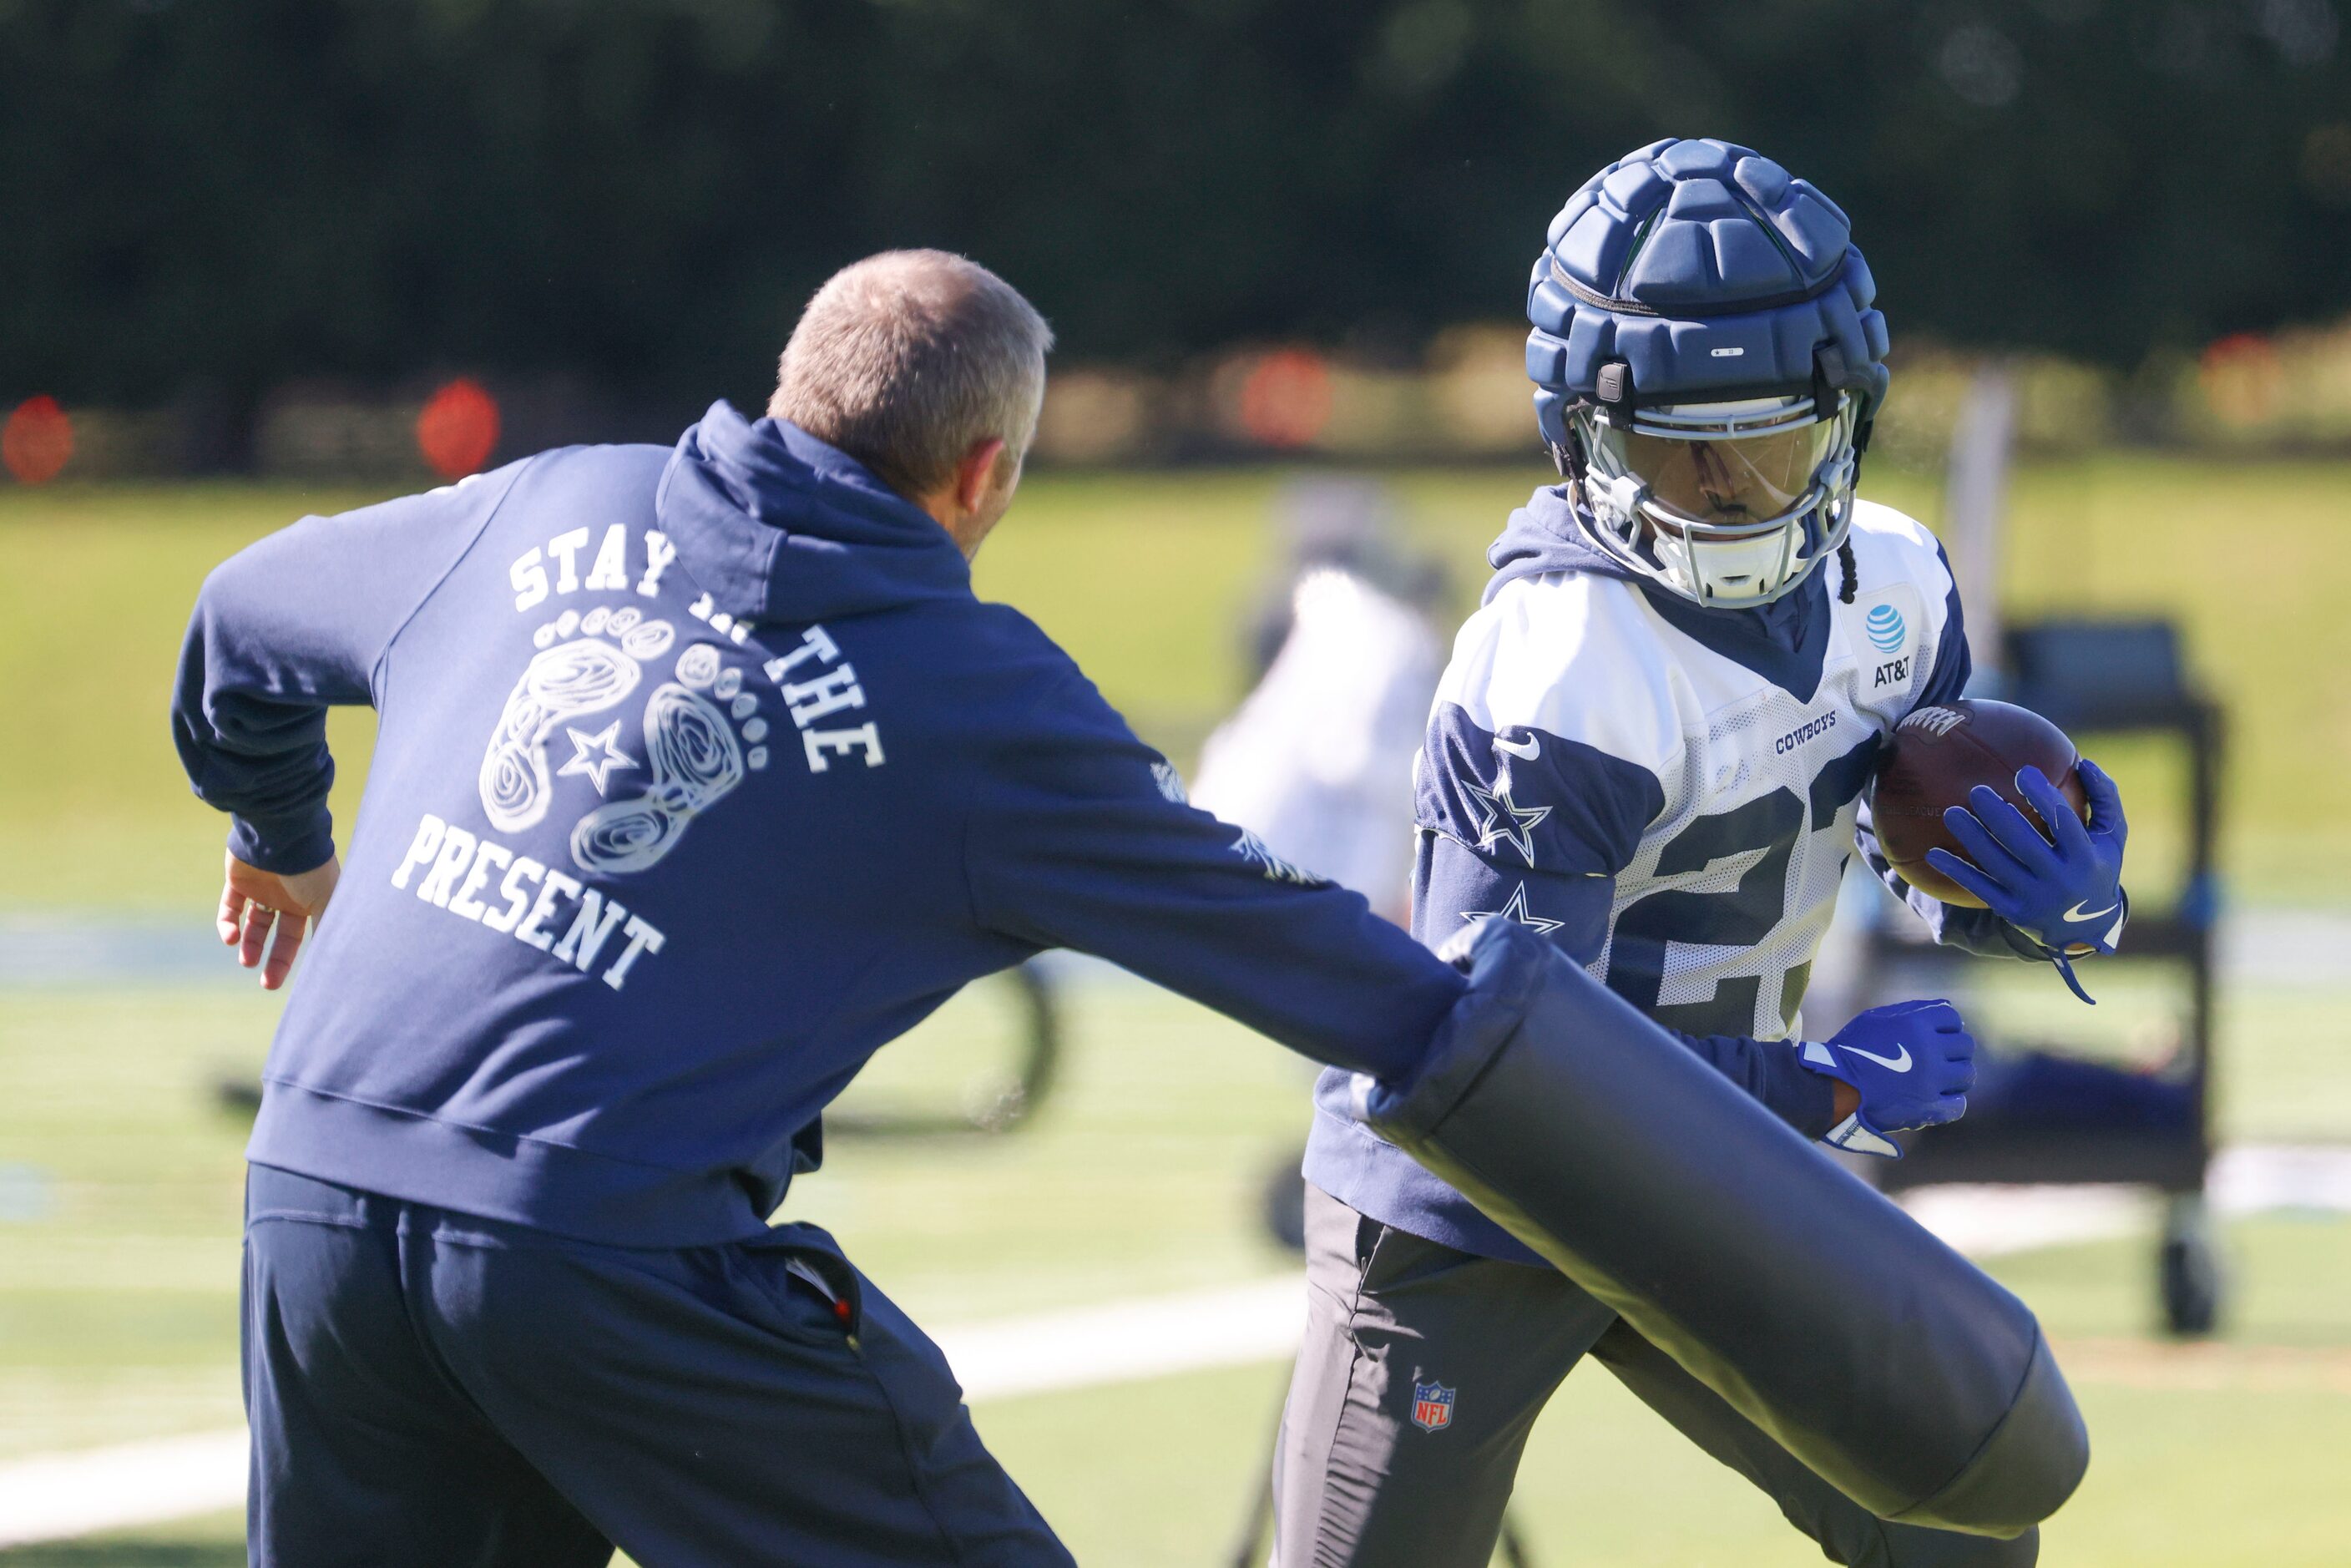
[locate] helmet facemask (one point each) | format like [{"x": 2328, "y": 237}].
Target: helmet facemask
[{"x": 1730, "y": 504}]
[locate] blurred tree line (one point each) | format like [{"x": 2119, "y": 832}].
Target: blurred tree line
[{"x": 223, "y": 194}]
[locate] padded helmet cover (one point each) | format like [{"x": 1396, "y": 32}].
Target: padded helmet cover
[{"x": 1705, "y": 270}]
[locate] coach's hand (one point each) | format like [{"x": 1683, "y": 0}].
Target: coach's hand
[
  {"x": 255, "y": 903},
  {"x": 1911, "y": 1064}
]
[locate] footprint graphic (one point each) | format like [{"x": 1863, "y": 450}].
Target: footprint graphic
[
  {"x": 693, "y": 759},
  {"x": 565, "y": 680}
]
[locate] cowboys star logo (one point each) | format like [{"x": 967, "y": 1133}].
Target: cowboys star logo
[
  {"x": 1502, "y": 820},
  {"x": 1516, "y": 909}
]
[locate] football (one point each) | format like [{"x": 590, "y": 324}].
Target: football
[{"x": 1938, "y": 755}]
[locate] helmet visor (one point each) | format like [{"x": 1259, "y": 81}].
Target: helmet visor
[{"x": 1725, "y": 480}]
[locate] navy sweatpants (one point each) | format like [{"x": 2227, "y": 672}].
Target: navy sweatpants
[{"x": 430, "y": 1388}]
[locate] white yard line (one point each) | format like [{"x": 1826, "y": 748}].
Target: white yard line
[
  {"x": 1993, "y": 1221},
  {"x": 56, "y": 1496},
  {"x": 1988, "y": 1221},
  {"x": 1126, "y": 1341},
  {"x": 60, "y": 1495}
]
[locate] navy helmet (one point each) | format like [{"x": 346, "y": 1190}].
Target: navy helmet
[{"x": 1706, "y": 366}]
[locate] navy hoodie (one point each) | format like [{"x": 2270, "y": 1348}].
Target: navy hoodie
[{"x": 700, "y": 775}]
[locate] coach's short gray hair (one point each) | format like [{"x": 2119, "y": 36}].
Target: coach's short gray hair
[{"x": 907, "y": 360}]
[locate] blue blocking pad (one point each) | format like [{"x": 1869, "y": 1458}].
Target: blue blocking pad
[{"x": 1893, "y": 1367}]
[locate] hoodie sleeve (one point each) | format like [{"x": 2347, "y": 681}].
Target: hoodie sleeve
[
  {"x": 290, "y": 626},
  {"x": 1084, "y": 841},
  {"x": 1543, "y": 843},
  {"x": 1978, "y": 931}
]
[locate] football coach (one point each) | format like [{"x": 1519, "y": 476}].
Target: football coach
[{"x": 700, "y": 774}]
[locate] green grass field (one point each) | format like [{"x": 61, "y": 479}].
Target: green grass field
[
  {"x": 118, "y": 1278},
  {"x": 1143, "y": 578},
  {"x": 118, "y": 1177}
]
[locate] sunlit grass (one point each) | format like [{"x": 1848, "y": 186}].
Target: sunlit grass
[
  {"x": 1146, "y": 578},
  {"x": 1141, "y": 1174}
]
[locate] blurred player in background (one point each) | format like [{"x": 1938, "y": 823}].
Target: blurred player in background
[
  {"x": 1651, "y": 745},
  {"x": 1317, "y": 761}
]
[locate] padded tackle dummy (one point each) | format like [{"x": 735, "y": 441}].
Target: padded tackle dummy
[{"x": 1902, "y": 1373}]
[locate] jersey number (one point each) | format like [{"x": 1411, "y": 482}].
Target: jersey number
[{"x": 1739, "y": 916}]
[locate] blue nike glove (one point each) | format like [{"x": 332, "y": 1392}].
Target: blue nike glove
[
  {"x": 2063, "y": 892},
  {"x": 1911, "y": 1062}
]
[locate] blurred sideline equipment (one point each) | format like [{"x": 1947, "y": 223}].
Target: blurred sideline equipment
[
  {"x": 1975, "y": 498},
  {"x": 2040, "y": 1114}
]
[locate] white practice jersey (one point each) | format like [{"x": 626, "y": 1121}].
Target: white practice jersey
[{"x": 1590, "y": 743}]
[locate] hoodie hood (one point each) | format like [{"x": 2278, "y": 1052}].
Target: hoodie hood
[
  {"x": 781, "y": 528},
  {"x": 1785, "y": 641},
  {"x": 1544, "y": 536}
]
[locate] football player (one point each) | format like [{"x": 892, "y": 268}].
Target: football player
[{"x": 1651, "y": 745}]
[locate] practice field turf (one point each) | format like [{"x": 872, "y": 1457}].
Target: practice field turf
[
  {"x": 1145, "y": 577},
  {"x": 119, "y": 1176},
  {"x": 1141, "y": 1175}
]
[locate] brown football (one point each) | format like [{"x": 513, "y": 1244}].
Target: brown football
[{"x": 1935, "y": 756}]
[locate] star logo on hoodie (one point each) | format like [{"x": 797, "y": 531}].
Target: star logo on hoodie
[
  {"x": 1502, "y": 822},
  {"x": 596, "y": 756},
  {"x": 1255, "y": 850}
]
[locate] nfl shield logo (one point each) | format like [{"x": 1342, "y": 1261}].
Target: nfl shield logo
[{"x": 1432, "y": 1407}]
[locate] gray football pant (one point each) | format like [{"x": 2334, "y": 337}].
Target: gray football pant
[{"x": 1357, "y": 1484}]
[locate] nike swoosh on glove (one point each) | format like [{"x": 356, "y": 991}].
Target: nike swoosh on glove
[
  {"x": 1911, "y": 1062},
  {"x": 2064, "y": 890}
]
